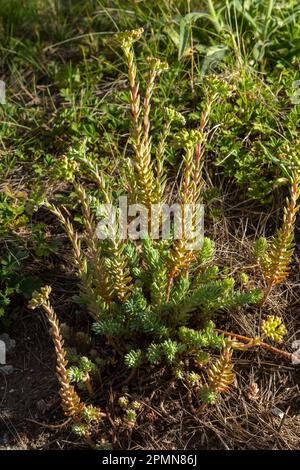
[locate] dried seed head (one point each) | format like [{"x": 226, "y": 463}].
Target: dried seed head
[{"x": 252, "y": 391}]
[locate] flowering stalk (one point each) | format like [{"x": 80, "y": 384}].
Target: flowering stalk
[
  {"x": 143, "y": 176},
  {"x": 156, "y": 67},
  {"x": 80, "y": 260},
  {"x": 71, "y": 402},
  {"x": 103, "y": 283},
  {"x": 181, "y": 257},
  {"x": 275, "y": 261}
]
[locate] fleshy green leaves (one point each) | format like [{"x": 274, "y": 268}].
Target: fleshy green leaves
[
  {"x": 206, "y": 338},
  {"x": 133, "y": 358},
  {"x": 273, "y": 328}
]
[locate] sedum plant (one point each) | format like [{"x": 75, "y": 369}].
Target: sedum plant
[{"x": 153, "y": 299}]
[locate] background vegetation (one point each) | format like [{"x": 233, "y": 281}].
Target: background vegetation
[{"x": 66, "y": 84}]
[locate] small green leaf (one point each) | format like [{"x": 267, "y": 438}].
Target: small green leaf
[
  {"x": 183, "y": 38},
  {"x": 29, "y": 284},
  {"x": 185, "y": 30}
]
